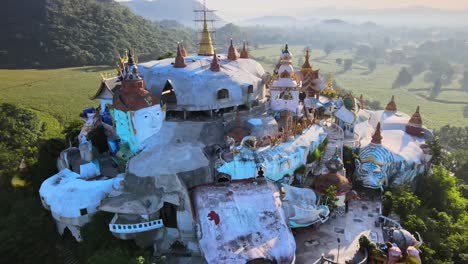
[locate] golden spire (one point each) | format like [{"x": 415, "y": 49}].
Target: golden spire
[
  {"x": 330, "y": 83},
  {"x": 306, "y": 64},
  {"x": 206, "y": 46}
]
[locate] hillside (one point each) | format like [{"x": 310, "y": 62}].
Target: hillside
[
  {"x": 180, "y": 10},
  {"x": 65, "y": 33}
]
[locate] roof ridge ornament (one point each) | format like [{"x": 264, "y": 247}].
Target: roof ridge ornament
[
  {"x": 377, "y": 137},
  {"x": 179, "y": 60},
  {"x": 391, "y": 106},
  {"x": 215, "y": 64},
  {"x": 244, "y": 53},
  {"x": 232, "y": 53}
]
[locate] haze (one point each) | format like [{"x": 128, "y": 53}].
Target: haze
[{"x": 248, "y": 8}]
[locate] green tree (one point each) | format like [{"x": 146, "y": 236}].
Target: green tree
[
  {"x": 417, "y": 66},
  {"x": 372, "y": 65},
  {"x": 436, "y": 89},
  {"x": 328, "y": 48},
  {"x": 404, "y": 202},
  {"x": 464, "y": 82},
  {"x": 20, "y": 131},
  {"x": 404, "y": 78},
  {"x": 71, "y": 131},
  {"x": 348, "y": 63},
  {"x": 329, "y": 197},
  {"x": 439, "y": 191},
  {"x": 440, "y": 69}
]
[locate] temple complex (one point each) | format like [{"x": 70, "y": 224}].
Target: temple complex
[{"x": 210, "y": 156}]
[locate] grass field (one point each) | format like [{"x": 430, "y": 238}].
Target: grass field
[
  {"x": 377, "y": 85},
  {"x": 56, "y": 96},
  {"x": 59, "y": 95}
]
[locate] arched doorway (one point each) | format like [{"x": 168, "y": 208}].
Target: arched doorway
[{"x": 168, "y": 95}]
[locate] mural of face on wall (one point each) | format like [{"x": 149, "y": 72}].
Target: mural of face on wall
[
  {"x": 370, "y": 174},
  {"x": 148, "y": 121}
]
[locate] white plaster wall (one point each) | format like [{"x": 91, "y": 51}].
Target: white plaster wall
[
  {"x": 280, "y": 104},
  {"x": 75, "y": 230}
]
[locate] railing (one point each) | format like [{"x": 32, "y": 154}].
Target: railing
[
  {"x": 323, "y": 260},
  {"x": 136, "y": 228}
]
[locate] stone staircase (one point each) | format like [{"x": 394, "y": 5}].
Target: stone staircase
[{"x": 335, "y": 136}]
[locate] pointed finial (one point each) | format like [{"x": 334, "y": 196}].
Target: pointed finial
[
  {"x": 377, "y": 137},
  {"x": 183, "y": 51},
  {"x": 416, "y": 118},
  {"x": 414, "y": 126},
  {"x": 130, "y": 57},
  {"x": 179, "y": 60},
  {"x": 244, "y": 54},
  {"x": 286, "y": 48},
  {"x": 391, "y": 106},
  {"x": 215, "y": 64},
  {"x": 232, "y": 54},
  {"x": 306, "y": 64}
]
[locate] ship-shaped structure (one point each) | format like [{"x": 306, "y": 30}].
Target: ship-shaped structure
[{"x": 209, "y": 155}]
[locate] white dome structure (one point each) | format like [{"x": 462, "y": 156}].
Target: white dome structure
[{"x": 196, "y": 87}]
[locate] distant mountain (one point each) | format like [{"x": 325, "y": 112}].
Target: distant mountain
[
  {"x": 180, "y": 10},
  {"x": 65, "y": 33},
  {"x": 334, "y": 22},
  {"x": 272, "y": 21},
  {"x": 408, "y": 16}
]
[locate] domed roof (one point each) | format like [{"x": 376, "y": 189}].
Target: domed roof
[{"x": 196, "y": 86}]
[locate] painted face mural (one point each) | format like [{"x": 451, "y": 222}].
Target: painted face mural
[
  {"x": 370, "y": 174},
  {"x": 148, "y": 121}
]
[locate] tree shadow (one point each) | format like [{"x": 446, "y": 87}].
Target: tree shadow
[
  {"x": 94, "y": 68},
  {"x": 341, "y": 72}
]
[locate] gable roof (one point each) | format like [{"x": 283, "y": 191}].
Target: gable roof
[{"x": 106, "y": 89}]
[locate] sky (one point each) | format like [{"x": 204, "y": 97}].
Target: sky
[
  {"x": 241, "y": 9},
  {"x": 248, "y": 8}
]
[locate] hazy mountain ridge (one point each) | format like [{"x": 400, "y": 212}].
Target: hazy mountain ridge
[{"x": 408, "y": 16}]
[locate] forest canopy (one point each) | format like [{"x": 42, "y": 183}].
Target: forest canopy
[{"x": 66, "y": 33}]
